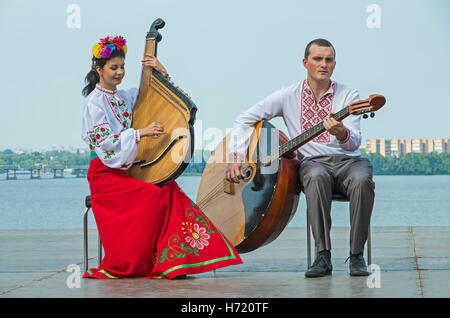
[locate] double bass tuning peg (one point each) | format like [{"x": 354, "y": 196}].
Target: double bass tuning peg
[{"x": 372, "y": 115}]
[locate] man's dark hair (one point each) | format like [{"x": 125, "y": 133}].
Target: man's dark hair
[{"x": 319, "y": 42}]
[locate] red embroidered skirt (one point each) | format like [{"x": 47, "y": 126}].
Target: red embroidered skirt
[{"x": 152, "y": 232}]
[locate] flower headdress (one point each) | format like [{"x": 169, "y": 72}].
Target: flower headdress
[{"x": 106, "y": 46}]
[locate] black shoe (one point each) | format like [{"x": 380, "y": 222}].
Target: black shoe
[
  {"x": 357, "y": 265},
  {"x": 321, "y": 266}
]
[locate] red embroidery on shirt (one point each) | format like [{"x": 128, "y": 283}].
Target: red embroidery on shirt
[
  {"x": 104, "y": 90},
  {"x": 126, "y": 116},
  {"x": 312, "y": 113},
  {"x": 91, "y": 131},
  {"x": 112, "y": 109}
]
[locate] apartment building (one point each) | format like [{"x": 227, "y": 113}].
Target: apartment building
[{"x": 398, "y": 147}]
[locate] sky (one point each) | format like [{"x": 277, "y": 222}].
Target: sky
[{"x": 227, "y": 55}]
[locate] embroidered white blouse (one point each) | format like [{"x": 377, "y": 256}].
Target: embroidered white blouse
[
  {"x": 106, "y": 126},
  {"x": 296, "y": 105}
]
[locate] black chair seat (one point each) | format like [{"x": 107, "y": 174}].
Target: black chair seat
[
  {"x": 337, "y": 196},
  {"x": 340, "y": 197},
  {"x": 87, "y": 201}
]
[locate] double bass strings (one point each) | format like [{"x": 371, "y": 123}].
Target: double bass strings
[
  {"x": 216, "y": 192},
  {"x": 212, "y": 194}
]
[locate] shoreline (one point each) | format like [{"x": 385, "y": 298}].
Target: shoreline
[{"x": 189, "y": 174}]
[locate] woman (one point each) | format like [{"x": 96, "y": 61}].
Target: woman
[{"x": 147, "y": 231}]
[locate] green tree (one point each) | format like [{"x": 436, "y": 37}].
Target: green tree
[{"x": 410, "y": 164}]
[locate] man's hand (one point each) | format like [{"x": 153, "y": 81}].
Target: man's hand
[
  {"x": 234, "y": 172},
  {"x": 336, "y": 128}
]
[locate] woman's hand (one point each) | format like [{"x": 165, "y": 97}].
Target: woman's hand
[
  {"x": 154, "y": 129},
  {"x": 151, "y": 61}
]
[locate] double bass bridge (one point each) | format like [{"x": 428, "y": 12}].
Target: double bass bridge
[{"x": 144, "y": 163}]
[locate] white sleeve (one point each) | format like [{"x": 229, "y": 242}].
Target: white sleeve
[
  {"x": 114, "y": 150},
  {"x": 353, "y": 125},
  {"x": 268, "y": 108},
  {"x": 130, "y": 96}
]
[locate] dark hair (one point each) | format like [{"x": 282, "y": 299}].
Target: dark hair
[
  {"x": 92, "y": 78},
  {"x": 319, "y": 42}
]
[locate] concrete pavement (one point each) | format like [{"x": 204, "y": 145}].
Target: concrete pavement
[{"x": 413, "y": 262}]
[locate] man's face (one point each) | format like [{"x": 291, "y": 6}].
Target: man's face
[{"x": 320, "y": 62}]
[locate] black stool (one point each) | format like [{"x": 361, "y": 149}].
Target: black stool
[
  {"x": 336, "y": 197},
  {"x": 85, "y": 237}
]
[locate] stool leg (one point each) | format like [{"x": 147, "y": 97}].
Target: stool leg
[
  {"x": 85, "y": 240},
  {"x": 369, "y": 248}
]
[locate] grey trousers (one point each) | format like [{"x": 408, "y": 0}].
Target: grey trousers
[{"x": 320, "y": 176}]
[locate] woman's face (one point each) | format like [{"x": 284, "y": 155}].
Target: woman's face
[{"x": 112, "y": 73}]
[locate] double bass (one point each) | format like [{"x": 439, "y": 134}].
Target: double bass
[
  {"x": 161, "y": 159},
  {"x": 255, "y": 211}
]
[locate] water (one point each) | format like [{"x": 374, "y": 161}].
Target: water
[{"x": 50, "y": 203}]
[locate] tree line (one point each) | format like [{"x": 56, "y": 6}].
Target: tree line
[
  {"x": 50, "y": 158},
  {"x": 409, "y": 164}
]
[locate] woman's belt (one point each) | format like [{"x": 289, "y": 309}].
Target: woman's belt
[{"x": 93, "y": 154}]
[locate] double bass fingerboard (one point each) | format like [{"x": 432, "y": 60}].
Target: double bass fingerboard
[{"x": 301, "y": 139}]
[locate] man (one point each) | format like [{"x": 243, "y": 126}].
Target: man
[{"x": 330, "y": 162}]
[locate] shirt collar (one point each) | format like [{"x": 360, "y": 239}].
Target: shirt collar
[
  {"x": 329, "y": 91},
  {"x": 104, "y": 90}
]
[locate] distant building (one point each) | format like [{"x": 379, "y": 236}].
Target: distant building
[{"x": 399, "y": 147}]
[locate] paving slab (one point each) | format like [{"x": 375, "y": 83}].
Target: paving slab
[{"x": 413, "y": 262}]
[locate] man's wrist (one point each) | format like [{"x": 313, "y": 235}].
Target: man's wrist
[{"x": 343, "y": 138}]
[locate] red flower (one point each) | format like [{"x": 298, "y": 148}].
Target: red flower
[
  {"x": 119, "y": 42},
  {"x": 198, "y": 237},
  {"x": 126, "y": 114},
  {"x": 105, "y": 41}
]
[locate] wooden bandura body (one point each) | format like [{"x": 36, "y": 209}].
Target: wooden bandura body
[
  {"x": 161, "y": 159},
  {"x": 255, "y": 211}
]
